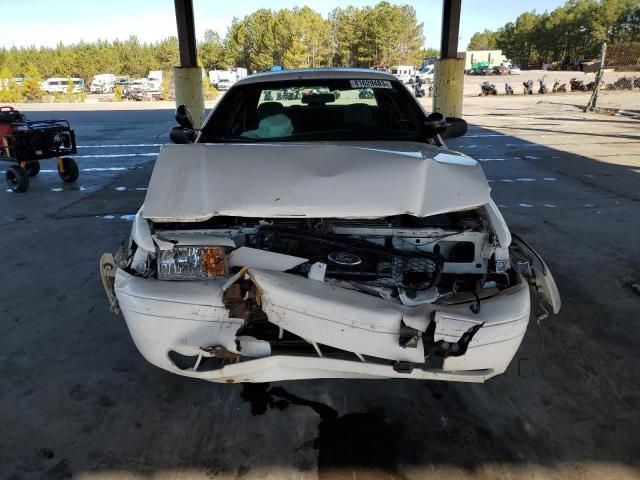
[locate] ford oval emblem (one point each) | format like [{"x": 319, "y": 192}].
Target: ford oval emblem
[{"x": 344, "y": 258}]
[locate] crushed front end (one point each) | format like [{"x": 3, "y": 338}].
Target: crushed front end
[{"x": 240, "y": 299}]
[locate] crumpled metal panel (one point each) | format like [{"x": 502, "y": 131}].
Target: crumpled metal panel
[{"x": 192, "y": 183}]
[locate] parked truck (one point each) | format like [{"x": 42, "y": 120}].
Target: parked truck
[
  {"x": 223, "y": 79},
  {"x": 103, "y": 83},
  {"x": 240, "y": 72},
  {"x": 155, "y": 81},
  {"x": 477, "y": 59},
  {"x": 216, "y": 76}
]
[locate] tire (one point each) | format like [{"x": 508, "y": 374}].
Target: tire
[
  {"x": 33, "y": 169},
  {"x": 17, "y": 179},
  {"x": 71, "y": 171}
]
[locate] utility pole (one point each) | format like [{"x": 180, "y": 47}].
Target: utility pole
[{"x": 593, "y": 101}]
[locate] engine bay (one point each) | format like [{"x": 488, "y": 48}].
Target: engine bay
[{"x": 403, "y": 258}]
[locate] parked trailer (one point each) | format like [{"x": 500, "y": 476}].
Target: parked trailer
[
  {"x": 404, "y": 73},
  {"x": 61, "y": 85}
]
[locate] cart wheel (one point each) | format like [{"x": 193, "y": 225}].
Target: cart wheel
[
  {"x": 17, "y": 179},
  {"x": 71, "y": 171},
  {"x": 33, "y": 169}
]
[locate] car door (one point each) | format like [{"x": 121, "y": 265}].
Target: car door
[{"x": 531, "y": 265}]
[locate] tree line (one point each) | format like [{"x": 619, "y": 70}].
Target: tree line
[
  {"x": 568, "y": 34},
  {"x": 383, "y": 34}
]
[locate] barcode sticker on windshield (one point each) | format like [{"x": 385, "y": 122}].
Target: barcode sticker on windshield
[{"x": 371, "y": 84}]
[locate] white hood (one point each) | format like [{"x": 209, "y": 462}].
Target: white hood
[{"x": 192, "y": 183}]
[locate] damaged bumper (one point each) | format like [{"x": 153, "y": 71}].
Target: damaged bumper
[{"x": 188, "y": 328}]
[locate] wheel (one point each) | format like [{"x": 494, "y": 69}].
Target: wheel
[
  {"x": 17, "y": 179},
  {"x": 494, "y": 92},
  {"x": 33, "y": 169},
  {"x": 71, "y": 171}
]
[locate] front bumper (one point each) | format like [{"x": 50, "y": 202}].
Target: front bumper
[{"x": 183, "y": 317}]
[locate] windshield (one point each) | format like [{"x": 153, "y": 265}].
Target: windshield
[{"x": 325, "y": 110}]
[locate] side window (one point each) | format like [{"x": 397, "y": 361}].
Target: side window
[{"x": 232, "y": 116}]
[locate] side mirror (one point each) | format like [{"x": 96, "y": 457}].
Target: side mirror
[
  {"x": 456, "y": 127},
  {"x": 182, "y": 135},
  {"x": 435, "y": 124},
  {"x": 183, "y": 117}
]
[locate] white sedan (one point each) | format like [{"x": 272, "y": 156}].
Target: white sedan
[
  {"x": 328, "y": 234},
  {"x": 515, "y": 71}
]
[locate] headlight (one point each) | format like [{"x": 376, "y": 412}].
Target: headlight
[{"x": 192, "y": 263}]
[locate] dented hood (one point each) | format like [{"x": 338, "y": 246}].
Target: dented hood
[{"x": 192, "y": 183}]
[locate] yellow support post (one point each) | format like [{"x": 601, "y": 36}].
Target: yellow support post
[
  {"x": 448, "y": 86},
  {"x": 188, "y": 88}
]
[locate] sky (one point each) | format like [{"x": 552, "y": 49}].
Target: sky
[{"x": 48, "y": 22}]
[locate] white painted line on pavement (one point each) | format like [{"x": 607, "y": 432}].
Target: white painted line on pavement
[
  {"x": 91, "y": 169},
  {"x": 132, "y": 189},
  {"x": 522, "y": 179},
  {"x": 545, "y": 205},
  {"x": 482, "y": 135},
  {"x": 119, "y": 155},
  {"x": 104, "y": 169},
  {"x": 123, "y": 146},
  {"x": 128, "y": 217}
]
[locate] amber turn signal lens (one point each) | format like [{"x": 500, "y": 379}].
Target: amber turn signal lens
[{"x": 213, "y": 262}]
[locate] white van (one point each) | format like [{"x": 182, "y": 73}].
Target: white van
[
  {"x": 404, "y": 73},
  {"x": 60, "y": 85},
  {"x": 426, "y": 74}
]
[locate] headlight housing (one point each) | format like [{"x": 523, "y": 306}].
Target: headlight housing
[{"x": 192, "y": 263}]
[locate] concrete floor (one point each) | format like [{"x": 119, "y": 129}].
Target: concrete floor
[{"x": 77, "y": 400}]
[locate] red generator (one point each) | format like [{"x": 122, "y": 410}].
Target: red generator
[{"x": 25, "y": 143}]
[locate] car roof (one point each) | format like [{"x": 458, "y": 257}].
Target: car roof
[{"x": 317, "y": 74}]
